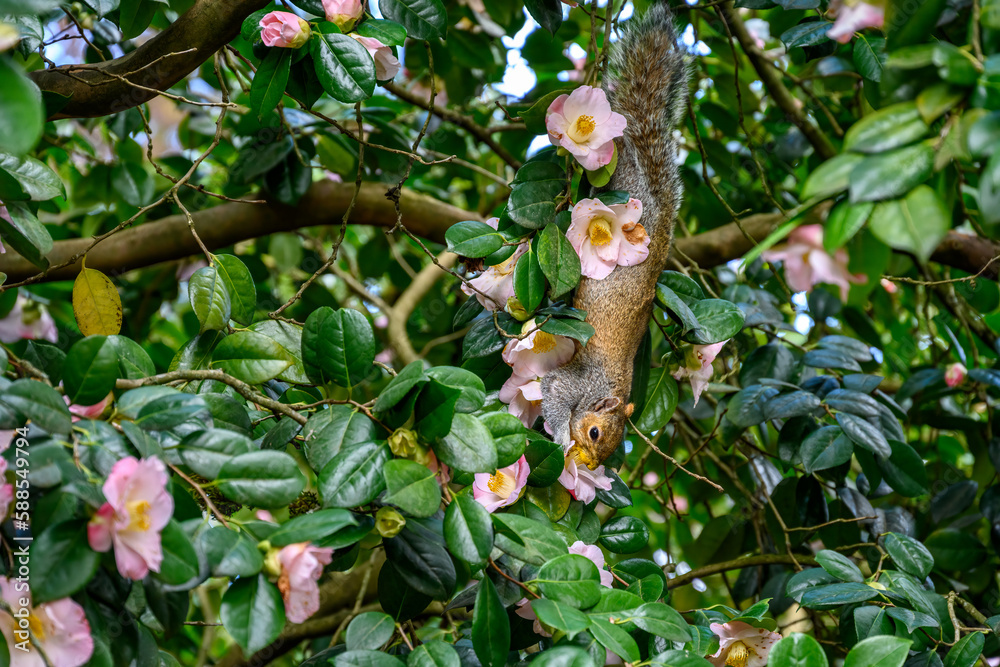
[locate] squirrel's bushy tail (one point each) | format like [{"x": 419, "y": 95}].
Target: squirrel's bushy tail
[{"x": 646, "y": 81}]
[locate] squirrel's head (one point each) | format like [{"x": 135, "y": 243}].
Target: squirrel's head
[{"x": 597, "y": 429}]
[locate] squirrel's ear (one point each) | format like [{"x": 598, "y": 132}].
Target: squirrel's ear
[
  {"x": 607, "y": 404},
  {"x": 629, "y": 409}
]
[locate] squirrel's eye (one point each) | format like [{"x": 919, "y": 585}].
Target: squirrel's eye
[{"x": 595, "y": 433}]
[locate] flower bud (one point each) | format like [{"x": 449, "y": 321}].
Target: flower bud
[
  {"x": 388, "y": 522},
  {"x": 516, "y": 310},
  {"x": 403, "y": 443},
  {"x": 284, "y": 29},
  {"x": 345, "y": 13},
  {"x": 954, "y": 375}
]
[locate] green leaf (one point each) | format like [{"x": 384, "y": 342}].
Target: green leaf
[
  {"x": 672, "y": 302},
  {"x": 251, "y": 357},
  {"x": 180, "y": 560},
  {"x": 869, "y": 56},
  {"x": 966, "y": 652},
  {"x": 344, "y": 68},
  {"x": 891, "y": 174},
  {"x": 91, "y": 370},
  {"x": 433, "y": 654},
  {"x": 529, "y": 281},
  {"x": 835, "y": 595},
  {"x": 880, "y": 651},
  {"x": 558, "y": 261},
  {"x": 423, "y": 19},
  {"x": 330, "y": 431},
  {"x": 527, "y": 539},
  {"x": 21, "y": 111},
  {"x": 354, "y": 476},
  {"x": 845, "y": 220},
  {"x": 252, "y": 612},
  {"x": 560, "y": 616},
  {"x": 718, "y": 321},
  {"x": 468, "y": 447},
  {"x": 615, "y": 639},
  {"x": 135, "y": 16},
  {"x": 38, "y": 402},
  {"x": 468, "y": 529},
  {"x": 661, "y": 401},
  {"x": 624, "y": 535},
  {"x": 337, "y": 346},
  {"x": 894, "y": 126},
  {"x": 389, "y": 33},
  {"x": 133, "y": 361},
  {"x": 22, "y": 231},
  {"x": 419, "y": 556},
  {"x": 265, "y": 479},
  {"x": 472, "y": 391},
  {"x": 490, "y": 626},
  {"x": 312, "y": 527},
  {"x": 913, "y": 620},
  {"x": 955, "y": 551},
  {"x": 411, "y": 376},
  {"x": 806, "y": 34},
  {"x": 830, "y": 177},
  {"x": 824, "y": 448},
  {"x": 545, "y": 460},
  {"x": 914, "y": 224},
  {"x": 473, "y": 239},
  {"x": 210, "y": 299},
  {"x": 570, "y": 328},
  {"x": 533, "y": 193},
  {"x": 366, "y": 659},
  {"x": 864, "y": 434},
  {"x": 229, "y": 553},
  {"x": 509, "y": 436},
  {"x": 548, "y": 13},
  {"x": 205, "y": 452},
  {"x": 34, "y": 179},
  {"x": 411, "y": 487},
  {"x": 662, "y": 621},
  {"x": 571, "y": 579},
  {"x": 909, "y": 555},
  {"x": 839, "y": 566},
  {"x": 369, "y": 630},
  {"x": 58, "y": 545},
  {"x": 268, "y": 85},
  {"x": 797, "y": 650},
  {"x": 240, "y": 285},
  {"x": 904, "y": 470}
]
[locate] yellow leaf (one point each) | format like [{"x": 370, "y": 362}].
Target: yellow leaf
[{"x": 96, "y": 304}]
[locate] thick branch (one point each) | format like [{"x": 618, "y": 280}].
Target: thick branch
[
  {"x": 400, "y": 313},
  {"x": 105, "y": 88},
  {"x": 221, "y": 226},
  {"x": 170, "y": 239},
  {"x": 771, "y": 79}
]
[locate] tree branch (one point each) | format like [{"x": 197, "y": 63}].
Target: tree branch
[
  {"x": 115, "y": 85},
  {"x": 771, "y": 79},
  {"x": 738, "y": 564}
]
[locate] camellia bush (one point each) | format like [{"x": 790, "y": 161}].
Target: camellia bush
[{"x": 280, "y": 282}]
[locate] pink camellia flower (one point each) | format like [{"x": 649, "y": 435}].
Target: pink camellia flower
[
  {"x": 954, "y": 375},
  {"x": 345, "y": 13},
  {"x": 59, "y": 628},
  {"x": 538, "y": 353},
  {"x": 855, "y": 16},
  {"x": 697, "y": 367},
  {"x": 137, "y": 510},
  {"x": 808, "y": 264},
  {"x": 496, "y": 282},
  {"x": 301, "y": 567},
  {"x": 594, "y": 553},
  {"x": 888, "y": 286},
  {"x": 284, "y": 29},
  {"x": 28, "y": 320},
  {"x": 742, "y": 645},
  {"x": 582, "y": 482},
  {"x": 387, "y": 66},
  {"x": 607, "y": 236},
  {"x": 89, "y": 411},
  {"x": 584, "y": 124},
  {"x": 523, "y": 397},
  {"x": 502, "y": 488}
]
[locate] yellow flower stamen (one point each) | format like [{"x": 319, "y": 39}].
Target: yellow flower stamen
[
  {"x": 738, "y": 655},
  {"x": 543, "y": 342},
  {"x": 581, "y": 129},
  {"x": 501, "y": 484},
  {"x": 138, "y": 512},
  {"x": 599, "y": 231},
  {"x": 35, "y": 625}
]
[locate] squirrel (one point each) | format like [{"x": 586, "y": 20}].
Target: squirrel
[{"x": 586, "y": 401}]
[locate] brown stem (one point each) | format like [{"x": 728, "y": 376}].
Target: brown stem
[{"x": 738, "y": 564}]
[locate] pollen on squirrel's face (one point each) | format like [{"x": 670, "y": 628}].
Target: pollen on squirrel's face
[{"x": 598, "y": 431}]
